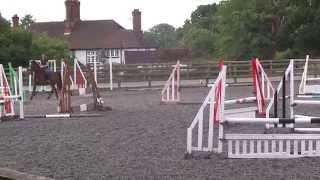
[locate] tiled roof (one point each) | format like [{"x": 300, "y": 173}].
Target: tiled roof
[{"x": 94, "y": 35}]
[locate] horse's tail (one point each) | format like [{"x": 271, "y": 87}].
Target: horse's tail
[{"x": 59, "y": 83}]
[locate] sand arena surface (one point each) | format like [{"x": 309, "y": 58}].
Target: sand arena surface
[{"x": 139, "y": 139}]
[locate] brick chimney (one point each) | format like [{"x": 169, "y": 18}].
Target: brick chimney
[
  {"x": 72, "y": 15},
  {"x": 15, "y": 21},
  {"x": 136, "y": 21}
]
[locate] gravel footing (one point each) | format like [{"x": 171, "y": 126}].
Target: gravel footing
[{"x": 138, "y": 139}]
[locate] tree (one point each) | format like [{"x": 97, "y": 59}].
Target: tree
[
  {"x": 15, "y": 47},
  {"x": 164, "y": 35},
  {"x": 198, "y": 32},
  {"x": 299, "y": 35},
  {"x": 243, "y": 30},
  {"x": 4, "y": 24},
  {"x": 54, "y": 48},
  {"x": 26, "y": 21},
  {"x": 199, "y": 40}
]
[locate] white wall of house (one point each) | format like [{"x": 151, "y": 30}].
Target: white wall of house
[
  {"x": 141, "y": 49},
  {"x": 116, "y": 57},
  {"x": 81, "y": 55}
]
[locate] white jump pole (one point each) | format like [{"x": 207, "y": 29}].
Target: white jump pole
[{"x": 303, "y": 83}]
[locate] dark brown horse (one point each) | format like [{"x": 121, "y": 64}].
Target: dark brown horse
[{"x": 39, "y": 79}]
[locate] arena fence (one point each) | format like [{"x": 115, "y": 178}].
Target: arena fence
[{"x": 238, "y": 72}]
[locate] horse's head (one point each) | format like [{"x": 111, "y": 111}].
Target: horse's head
[{"x": 34, "y": 66}]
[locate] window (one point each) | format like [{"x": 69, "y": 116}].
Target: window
[
  {"x": 112, "y": 53},
  {"x": 91, "y": 56},
  {"x": 116, "y": 54}
]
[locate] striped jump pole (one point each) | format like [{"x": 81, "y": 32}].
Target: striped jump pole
[{"x": 64, "y": 115}]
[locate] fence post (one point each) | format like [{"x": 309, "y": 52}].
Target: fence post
[
  {"x": 110, "y": 74},
  {"x": 235, "y": 73},
  {"x": 95, "y": 70}
]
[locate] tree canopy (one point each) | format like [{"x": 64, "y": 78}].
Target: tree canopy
[
  {"x": 238, "y": 29},
  {"x": 164, "y": 35}
]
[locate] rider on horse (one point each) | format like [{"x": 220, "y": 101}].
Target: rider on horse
[{"x": 44, "y": 65}]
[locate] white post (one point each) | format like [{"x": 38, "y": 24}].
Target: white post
[
  {"x": 173, "y": 87},
  {"x": 30, "y": 78},
  {"x": 211, "y": 119},
  {"x": 21, "y": 93},
  {"x": 178, "y": 82},
  {"x": 221, "y": 110},
  {"x": 189, "y": 140},
  {"x": 2, "y": 109},
  {"x": 262, "y": 84},
  {"x": 62, "y": 69},
  {"x": 302, "y": 86},
  {"x": 55, "y": 66},
  {"x": 291, "y": 89},
  {"x": 15, "y": 85},
  {"x": 95, "y": 69},
  {"x": 110, "y": 74},
  {"x": 75, "y": 63}
]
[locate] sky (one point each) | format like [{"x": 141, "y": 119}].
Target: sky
[{"x": 154, "y": 12}]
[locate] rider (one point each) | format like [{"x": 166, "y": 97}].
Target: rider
[{"x": 44, "y": 65}]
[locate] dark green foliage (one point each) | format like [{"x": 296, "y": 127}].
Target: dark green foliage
[
  {"x": 26, "y": 21},
  {"x": 18, "y": 45},
  {"x": 52, "y": 47},
  {"x": 164, "y": 35},
  {"x": 15, "y": 47},
  {"x": 268, "y": 29}
]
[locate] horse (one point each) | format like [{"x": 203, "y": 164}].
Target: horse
[{"x": 39, "y": 79}]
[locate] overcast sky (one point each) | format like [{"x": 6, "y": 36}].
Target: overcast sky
[{"x": 154, "y": 12}]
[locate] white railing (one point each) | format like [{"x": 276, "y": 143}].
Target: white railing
[
  {"x": 273, "y": 145},
  {"x": 171, "y": 90},
  {"x": 215, "y": 99}
]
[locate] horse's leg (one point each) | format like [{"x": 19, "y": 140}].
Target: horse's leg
[
  {"x": 33, "y": 91},
  {"x": 53, "y": 89}
]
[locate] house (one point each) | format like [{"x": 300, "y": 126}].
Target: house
[{"x": 100, "y": 40}]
